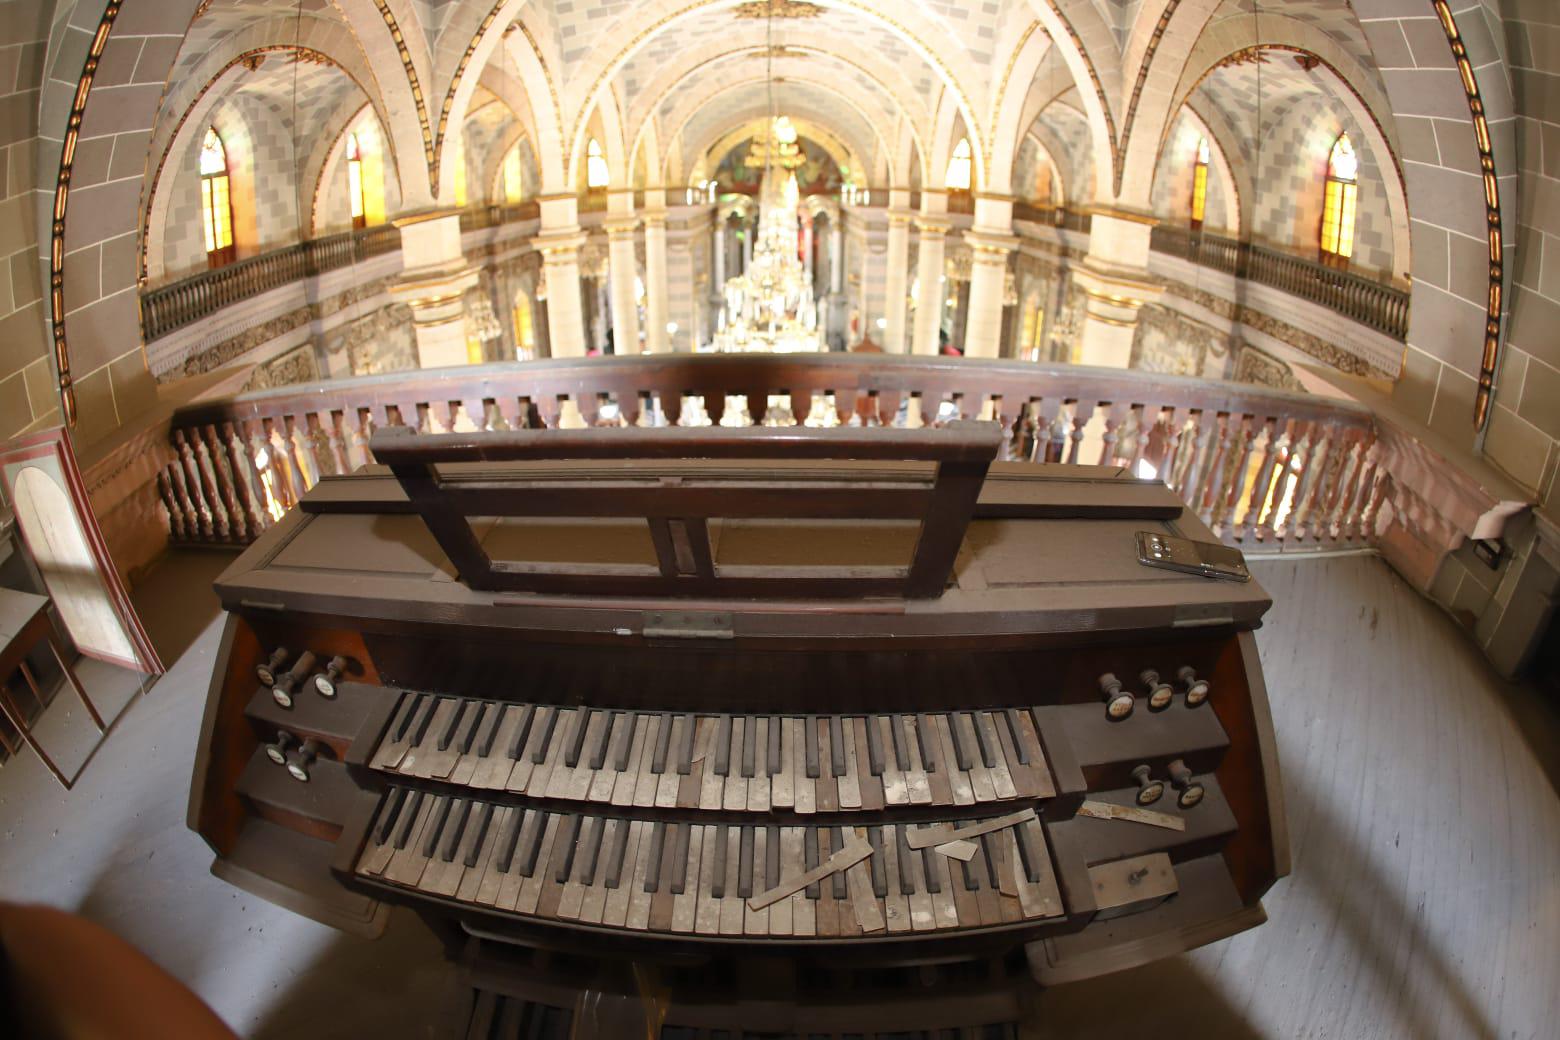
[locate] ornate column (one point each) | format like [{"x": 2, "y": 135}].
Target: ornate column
[
  {"x": 1116, "y": 286},
  {"x": 929, "y": 274},
  {"x": 559, "y": 242},
  {"x": 621, "y": 271},
  {"x": 898, "y": 280},
  {"x": 990, "y": 241},
  {"x": 434, "y": 280},
  {"x": 655, "y": 272}
]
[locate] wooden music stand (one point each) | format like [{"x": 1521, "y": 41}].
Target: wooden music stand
[{"x": 24, "y": 623}]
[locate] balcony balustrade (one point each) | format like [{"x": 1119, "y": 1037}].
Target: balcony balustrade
[{"x": 1265, "y": 469}]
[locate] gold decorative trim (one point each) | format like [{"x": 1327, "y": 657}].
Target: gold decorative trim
[
  {"x": 1131, "y": 216},
  {"x": 424, "y": 217},
  {"x": 1489, "y": 361},
  {"x": 455, "y": 78},
  {"x": 1099, "y": 90},
  {"x": 783, "y": 9},
  {"x": 430, "y": 148},
  {"x": 1118, "y": 158},
  {"x": 78, "y": 108}
]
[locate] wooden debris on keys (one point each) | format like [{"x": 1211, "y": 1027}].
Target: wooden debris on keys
[{"x": 1132, "y": 814}]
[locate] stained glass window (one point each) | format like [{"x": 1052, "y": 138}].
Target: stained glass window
[
  {"x": 958, "y": 178},
  {"x": 355, "y": 182},
  {"x": 216, "y": 200},
  {"x": 595, "y": 165},
  {"x": 1338, "y": 202},
  {"x": 1200, "y": 184}
]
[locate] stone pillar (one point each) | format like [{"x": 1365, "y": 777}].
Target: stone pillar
[
  {"x": 898, "y": 281},
  {"x": 836, "y": 254},
  {"x": 655, "y": 280},
  {"x": 991, "y": 239},
  {"x": 1116, "y": 284},
  {"x": 929, "y": 276},
  {"x": 434, "y": 280},
  {"x": 807, "y": 248},
  {"x": 559, "y": 242},
  {"x": 621, "y": 271}
]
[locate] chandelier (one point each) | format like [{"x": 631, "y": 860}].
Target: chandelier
[{"x": 770, "y": 307}]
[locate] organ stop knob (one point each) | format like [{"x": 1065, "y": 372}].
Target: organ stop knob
[
  {"x": 1159, "y": 692},
  {"x": 325, "y": 682},
  {"x": 1149, "y": 789},
  {"x": 266, "y": 672},
  {"x": 1196, "y": 689},
  {"x": 286, "y": 683},
  {"x": 300, "y": 761},
  {"x": 277, "y": 750},
  {"x": 1118, "y": 703},
  {"x": 1191, "y": 792}
]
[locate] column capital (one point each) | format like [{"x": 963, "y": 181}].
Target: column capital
[
  {"x": 900, "y": 217},
  {"x": 654, "y": 217},
  {"x": 560, "y": 244},
  {"x": 620, "y": 227},
  {"x": 933, "y": 225},
  {"x": 988, "y": 246}
]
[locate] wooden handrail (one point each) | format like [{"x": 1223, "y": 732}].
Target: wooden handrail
[{"x": 1262, "y": 467}]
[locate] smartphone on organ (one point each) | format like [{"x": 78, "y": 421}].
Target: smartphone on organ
[{"x": 1209, "y": 559}]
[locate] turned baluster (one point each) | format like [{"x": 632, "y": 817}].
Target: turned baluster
[
  {"x": 1360, "y": 496},
  {"x": 1199, "y": 451},
  {"x": 1055, "y": 429},
  {"x": 1081, "y": 414},
  {"x": 549, "y": 409},
  {"x": 1266, "y": 494},
  {"x": 1116, "y": 414},
  {"x": 287, "y": 488},
  {"x": 1322, "y": 459},
  {"x": 1290, "y": 473},
  {"x": 1232, "y": 481},
  {"x": 199, "y": 508},
  {"x": 1348, "y": 475},
  {"x": 217, "y": 452},
  {"x": 1165, "y": 443},
  {"x": 176, "y": 528},
  {"x": 301, "y": 448},
  {"x": 180, "y": 475},
  {"x": 246, "y": 483}
]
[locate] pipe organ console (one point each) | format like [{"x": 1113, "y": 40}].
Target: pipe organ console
[{"x": 851, "y": 731}]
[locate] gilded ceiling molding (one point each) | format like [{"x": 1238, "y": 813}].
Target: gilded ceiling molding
[
  {"x": 78, "y": 107},
  {"x": 1099, "y": 88},
  {"x": 460, "y": 69},
  {"x": 552, "y": 89},
  {"x": 430, "y": 149},
  {"x": 1001, "y": 95},
  {"x": 1118, "y": 156},
  {"x": 1490, "y": 359},
  {"x": 785, "y": 9}
]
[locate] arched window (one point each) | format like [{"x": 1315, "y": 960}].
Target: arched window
[
  {"x": 355, "y": 182},
  {"x": 958, "y": 178},
  {"x": 595, "y": 165},
  {"x": 1200, "y": 184},
  {"x": 216, "y": 200},
  {"x": 1337, "y": 239},
  {"x": 513, "y": 187}
]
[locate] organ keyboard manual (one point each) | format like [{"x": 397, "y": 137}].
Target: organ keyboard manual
[{"x": 834, "y": 732}]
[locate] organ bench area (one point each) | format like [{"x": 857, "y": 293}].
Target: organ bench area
[{"x": 843, "y": 732}]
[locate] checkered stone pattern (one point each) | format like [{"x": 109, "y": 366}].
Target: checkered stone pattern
[
  {"x": 184, "y": 240},
  {"x": 485, "y": 130},
  {"x": 1121, "y": 14},
  {"x": 1334, "y": 17},
  {"x": 1173, "y": 177},
  {"x": 271, "y": 165},
  {"x": 1287, "y": 209},
  {"x": 338, "y": 211},
  {"x": 1077, "y": 158},
  {"x": 972, "y": 22},
  {"x": 580, "y": 24}
]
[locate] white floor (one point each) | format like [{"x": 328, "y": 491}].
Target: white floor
[{"x": 1425, "y": 898}]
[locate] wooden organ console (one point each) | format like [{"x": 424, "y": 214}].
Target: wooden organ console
[{"x": 851, "y": 732}]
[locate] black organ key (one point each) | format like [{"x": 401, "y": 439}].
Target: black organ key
[
  {"x": 1017, "y": 733},
  {"x": 810, "y": 851},
  {"x": 549, "y": 726},
  {"x": 530, "y": 846},
  {"x": 507, "y": 838},
  {"x": 896, "y": 733},
  {"x": 776, "y": 724},
  {"x": 971, "y": 876},
  {"x": 625, "y": 742},
  {"x": 663, "y": 745},
  {"x": 811, "y": 727},
  {"x": 389, "y": 814},
  {"x": 836, "y": 746},
  {"x": 772, "y": 858},
  {"x": 653, "y": 867},
  {"x": 570, "y": 837},
  {"x": 961, "y": 749},
  {"x": 403, "y": 832},
  {"x": 723, "y": 747},
  {"x": 483, "y": 823},
  {"x": 441, "y": 814},
  {"x": 874, "y": 745},
  {"x": 685, "y": 750},
  {"x": 616, "y": 855},
  {"x": 471, "y": 731},
  {"x": 836, "y": 843},
  {"x": 456, "y": 829},
  {"x": 522, "y": 731},
  {"x": 403, "y": 726},
  {"x": 749, "y": 746},
  {"x": 1029, "y": 851},
  {"x": 598, "y": 753},
  {"x": 878, "y": 860},
  {"x": 989, "y": 857},
  {"x": 986, "y": 738},
  {"x": 906, "y": 870},
  {"x": 485, "y": 745},
  {"x": 745, "y": 864},
  {"x": 420, "y": 730},
  {"x": 571, "y": 754},
  {"x": 592, "y": 849},
  {"x": 448, "y": 736},
  {"x": 929, "y": 868},
  {"x": 925, "y": 742},
  {"x": 680, "y": 858},
  {"x": 718, "y": 875}
]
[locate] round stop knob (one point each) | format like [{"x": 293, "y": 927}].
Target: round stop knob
[
  {"x": 1196, "y": 689},
  {"x": 277, "y": 750},
  {"x": 1149, "y": 789},
  {"x": 1159, "y": 692},
  {"x": 1191, "y": 792},
  {"x": 266, "y": 672},
  {"x": 300, "y": 761},
  {"x": 325, "y": 682},
  {"x": 287, "y": 682},
  {"x": 1118, "y": 703}
]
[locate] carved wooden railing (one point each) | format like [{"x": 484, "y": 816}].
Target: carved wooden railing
[
  {"x": 173, "y": 306},
  {"x": 1366, "y": 300},
  {"x": 1265, "y": 469},
  {"x": 478, "y": 217}
]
